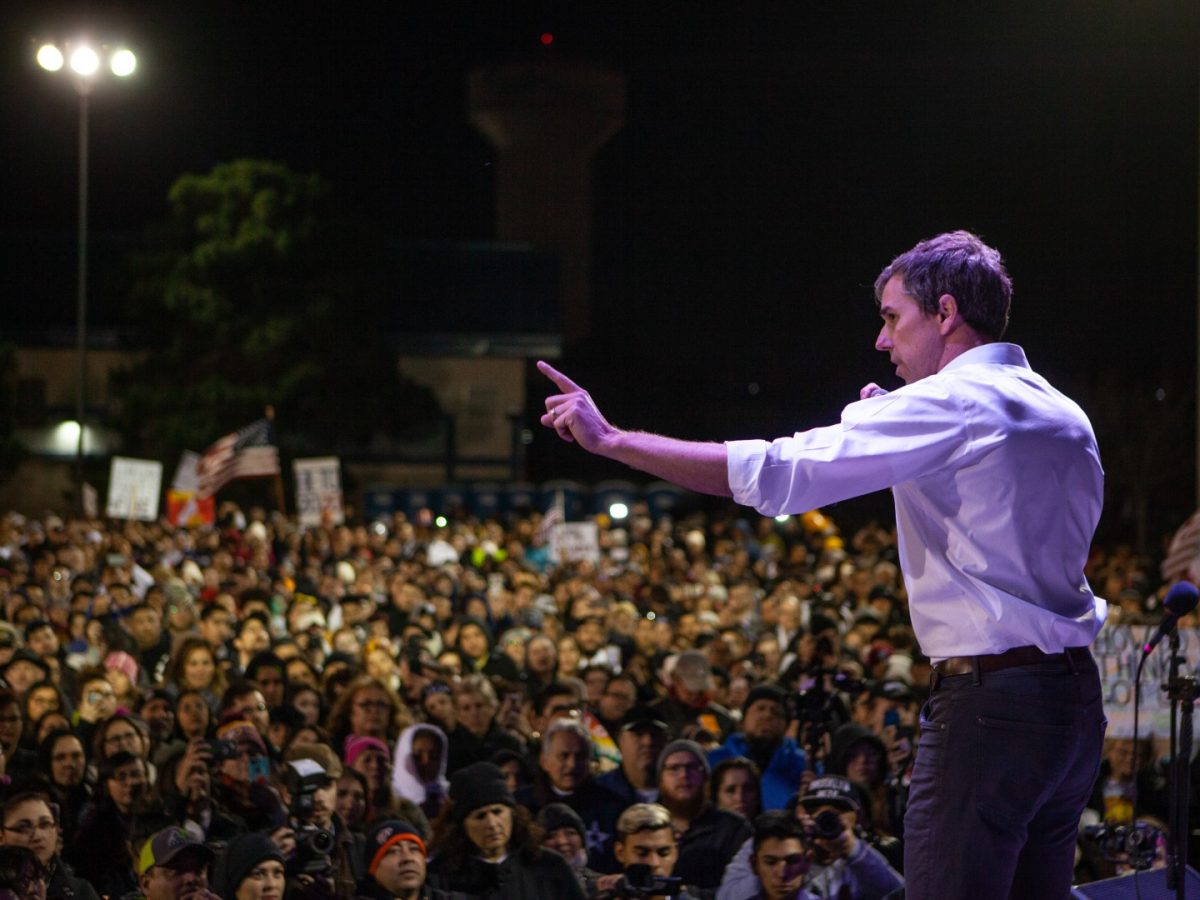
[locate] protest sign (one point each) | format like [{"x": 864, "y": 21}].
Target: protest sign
[
  {"x": 133, "y": 486},
  {"x": 1117, "y": 649},
  {"x": 575, "y": 542},
  {"x": 319, "y": 491}
]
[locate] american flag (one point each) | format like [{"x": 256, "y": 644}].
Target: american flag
[
  {"x": 555, "y": 515},
  {"x": 245, "y": 453},
  {"x": 1183, "y": 556}
]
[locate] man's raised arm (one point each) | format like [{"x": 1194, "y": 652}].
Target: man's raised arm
[{"x": 695, "y": 465}]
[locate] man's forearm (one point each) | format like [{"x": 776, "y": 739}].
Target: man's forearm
[{"x": 695, "y": 465}]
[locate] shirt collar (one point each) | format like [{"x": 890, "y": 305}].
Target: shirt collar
[{"x": 996, "y": 353}]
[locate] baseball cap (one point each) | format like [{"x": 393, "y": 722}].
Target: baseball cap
[
  {"x": 643, "y": 718},
  {"x": 831, "y": 790},
  {"x": 692, "y": 670},
  {"x": 164, "y": 847}
]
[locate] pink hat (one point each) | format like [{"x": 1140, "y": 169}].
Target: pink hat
[
  {"x": 357, "y": 744},
  {"x": 241, "y": 731},
  {"x": 122, "y": 662}
]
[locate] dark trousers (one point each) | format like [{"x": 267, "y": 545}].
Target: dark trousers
[{"x": 1005, "y": 763}]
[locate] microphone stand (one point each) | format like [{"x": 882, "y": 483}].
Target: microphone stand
[{"x": 1181, "y": 691}]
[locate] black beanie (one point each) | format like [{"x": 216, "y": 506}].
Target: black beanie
[
  {"x": 241, "y": 855},
  {"x": 554, "y": 816},
  {"x": 479, "y": 784},
  {"x": 766, "y": 691}
]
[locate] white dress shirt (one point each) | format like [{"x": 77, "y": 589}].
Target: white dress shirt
[{"x": 998, "y": 489}]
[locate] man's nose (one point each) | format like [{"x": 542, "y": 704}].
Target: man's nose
[{"x": 883, "y": 342}]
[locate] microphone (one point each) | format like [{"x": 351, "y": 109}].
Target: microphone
[{"x": 1181, "y": 600}]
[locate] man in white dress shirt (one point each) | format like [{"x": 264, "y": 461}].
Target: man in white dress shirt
[{"x": 998, "y": 488}]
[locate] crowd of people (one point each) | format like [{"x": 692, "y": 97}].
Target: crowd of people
[{"x": 715, "y": 707}]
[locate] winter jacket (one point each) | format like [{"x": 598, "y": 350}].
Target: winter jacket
[
  {"x": 520, "y": 876},
  {"x": 781, "y": 779},
  {"x": 865, "y": 876},
  {"x": 710, "y": 842}
]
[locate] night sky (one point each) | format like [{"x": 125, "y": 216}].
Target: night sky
[{"x": 775, "y": 157}]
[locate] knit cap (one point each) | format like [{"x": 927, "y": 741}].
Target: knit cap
[
  {"x": 476, "y": 785},
  {"x": 680, "y": 745},
  {"x": 383, "y": 836},
  {"x": 241, "y": 855}
]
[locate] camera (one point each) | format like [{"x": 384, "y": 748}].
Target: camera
[
  {"x": 817, "y": 706},
  {"x": 1136, "y": 844},
  {"x": 313, "y": 845},
  {"x": 222, "y": 750},
  {"x": 639, "y": 880},
  {"x": 827, "y": 825}
]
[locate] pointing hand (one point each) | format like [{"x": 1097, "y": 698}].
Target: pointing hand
[{"x": 573, "y": 414}]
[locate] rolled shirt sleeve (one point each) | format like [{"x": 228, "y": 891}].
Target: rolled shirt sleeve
[{"x": 878, "y": 443}]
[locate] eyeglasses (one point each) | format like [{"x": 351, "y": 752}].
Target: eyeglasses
[
  {"x": 9, "y": 720},
  {"x": 684, "y": 768},
  {"x": 253, "y": 707},
  {"x": 376, "y": 705},
  {"x": 25, "y": 828},
  {"x": 114, "y": 739}
]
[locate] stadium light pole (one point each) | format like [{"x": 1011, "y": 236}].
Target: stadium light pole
[{"x": 85, "y": 63}]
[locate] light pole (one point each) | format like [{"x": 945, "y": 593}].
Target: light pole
[{"x": 85, "y": 63}]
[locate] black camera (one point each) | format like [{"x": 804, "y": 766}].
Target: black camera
[
  {"x": 313, "y": 844},
  {"x": 827, "y": 825},
  {"x": 222, "y": 750},
  {"x": 1135, "y": 844},
  {"x": 638, "y": 880}
]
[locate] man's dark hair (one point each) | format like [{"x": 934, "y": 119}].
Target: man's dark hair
[
  {"x": 549, "y": 692},
  {"x": 959, "y": 264},
  {"x": 211, "y": 609},
  {"x": 265, "y": 660},
  {"x": 37, "y": 625},
  {"x": 108, "y": 767},
  {"x": 595, "y": 667},
  {"x": 778, "y": 824},
  {"x": 236, "y": 691},
  {"x": 258, "y": 616}
]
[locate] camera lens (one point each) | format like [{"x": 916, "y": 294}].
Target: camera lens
[{"x": 827, "y": 825}]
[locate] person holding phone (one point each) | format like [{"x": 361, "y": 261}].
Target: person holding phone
[{"x": 185, "y": 785}]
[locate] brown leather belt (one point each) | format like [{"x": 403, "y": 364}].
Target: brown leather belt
[{"x": 994, "y": 662}]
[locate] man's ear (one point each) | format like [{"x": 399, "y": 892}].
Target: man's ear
[{"x": 947, "y": 313}]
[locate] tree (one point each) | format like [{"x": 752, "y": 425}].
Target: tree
[{"x": 253, "y": 293}]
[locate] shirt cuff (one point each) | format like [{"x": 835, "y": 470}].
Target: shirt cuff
[{"x": 744, "y": 463}]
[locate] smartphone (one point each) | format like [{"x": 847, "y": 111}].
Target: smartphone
[
  {"x": 260, "y": 768},
  {"x": 891, "y": 717}
]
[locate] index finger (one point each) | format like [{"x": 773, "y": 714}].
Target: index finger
[{"x": 563, "y": 382}]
